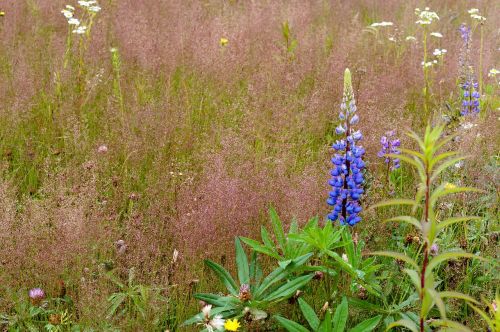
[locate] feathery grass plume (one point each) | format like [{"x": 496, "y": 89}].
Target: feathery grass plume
[{"x": 347, "y": 173}]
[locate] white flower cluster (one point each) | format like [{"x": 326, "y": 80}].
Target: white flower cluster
[
  {"x": 410, "y": 38},
  {"x": 69, "y": 13},
  {"x": 429, "y": 63},
  {"x": 426, "y": 16},
  {"x": 493, "y": 72},
  {"x": 474, "y": 14},
  {"x": 382, "y": 24},
  {"x": 436, "y": 34},
  {"x": 439, "y": 52}
]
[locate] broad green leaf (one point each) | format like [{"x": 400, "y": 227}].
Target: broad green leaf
[
  {"x": 396, "y": 255},
  {"x": 365, "y": 305},
  {"x": 289, "y": 288},
  {"x": 326, "y": 324},
  {"x": 447, "y": 256},
  {"x": 408, "y": 219},
  {"x": 391, "y": 202},
  {"x": 340, "y": 316},
  {"x": 266, "y": 239},
  {"x": 242, "y": 263},
  {"x": 309, "y": 314},
  {"x": 220, "y": 301},
  {"x": 367, "y": 325},
  {"x": 290, "y": 325},
  {"x": 410, "y": 325},
  {"x": 223, "y": 276}
]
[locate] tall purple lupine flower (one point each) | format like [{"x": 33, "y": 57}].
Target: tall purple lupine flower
[
  {"x": 468, "y": 84},
  {"x": 347, "y": 173},
  {"x": 390, "y": 145}
]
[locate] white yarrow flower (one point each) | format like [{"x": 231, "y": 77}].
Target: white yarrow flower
[
  {"x": 425, "y": 16},
  {"x": 493, "y": 72},
  {"x": 74, "y": 21},
  {"x": 80, "y": 30},
  {"x": 436, "y": 34},
  {"x": 84, "y": 3},
  {"x": 67, "y": 13},
  {"x": 478, "y": 17},
  {"x": 95, "y": 9},
  {"x": 439, "y": 52},
  {"x": 473, "y": 11},
  {"x": 410, "y": 38},
  {"x": 381, "y": 24}
]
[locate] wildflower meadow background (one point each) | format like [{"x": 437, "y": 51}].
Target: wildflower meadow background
[{"x": 211, "y": 165}]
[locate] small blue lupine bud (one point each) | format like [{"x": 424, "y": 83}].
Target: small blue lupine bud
[
  {"x": 354, "y": 120},
  {"x": 390, "y": 146},
  {"x": 340, "y": 130}
]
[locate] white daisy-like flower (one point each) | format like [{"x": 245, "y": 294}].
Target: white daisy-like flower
[
  {"x": 493, "y": 72},
  {"x": 410, "y": 38},
  {"x": 95, "y": 9},
  {"x": 80, "y": 30},
  {"x": 206, "y": 311},
  {"x": 67, "y": 13},
  {"x": 436, "y": 34},
  {"x": 216, "y": 323},
  {"x": 74, "y": 21}
]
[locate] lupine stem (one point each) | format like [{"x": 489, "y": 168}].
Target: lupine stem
[{"x": 348, "y": 166}]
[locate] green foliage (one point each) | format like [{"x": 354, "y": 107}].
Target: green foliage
[
  {"x": 254, "y": 294},
  {"x": 337, "y": 323},
  {"x": 429, "y": 165}
]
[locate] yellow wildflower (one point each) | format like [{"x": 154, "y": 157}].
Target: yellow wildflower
[
  {"x": 223, "y": 41},
  {"x": 2, "y": 13},
  {"x": 232, "y": 325},
  {"x": 449, "y": 186}
]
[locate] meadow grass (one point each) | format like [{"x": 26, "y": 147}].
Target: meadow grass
[{"x": 151, "y": 131}]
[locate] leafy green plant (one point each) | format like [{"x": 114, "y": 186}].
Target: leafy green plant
[
  {"x": 134, "y": 301},
  {"x": 332, "y": 322},
  {"x": 429, "y": 165},
  {"x": 253, "y": 295},
  {"x": 290, "y": 43}
]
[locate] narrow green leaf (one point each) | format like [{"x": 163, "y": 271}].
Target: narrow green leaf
[
  {"x": 454, "y": 220},
  {"x": 257, "y": 246},
  {"x": 309, "y": 314},
  {"x": 410, "y": 325},
  {"x": 415, "y": 278},
  {"x": 394, "y": 202},
  {"x": 340, "y": 316},
  {"x": 367, "y": 325},
  {"x": 289, "y": 288},
  {"x": 445, "y": 165},
  {"x": 396, "y": 255},
  {"x": 290, "y": 325},
  {"x": 277, "y": 228},
  {"x": 456, "y": 327},
  {"x": 458, "y": 295},
  {"x": 242, "y": 263},
  {"x": 223, "y": 276},
  {"x": 449, "y": 255},
  {"x": 439, "y": 302},
  {"x": 407, "y": 219}
]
